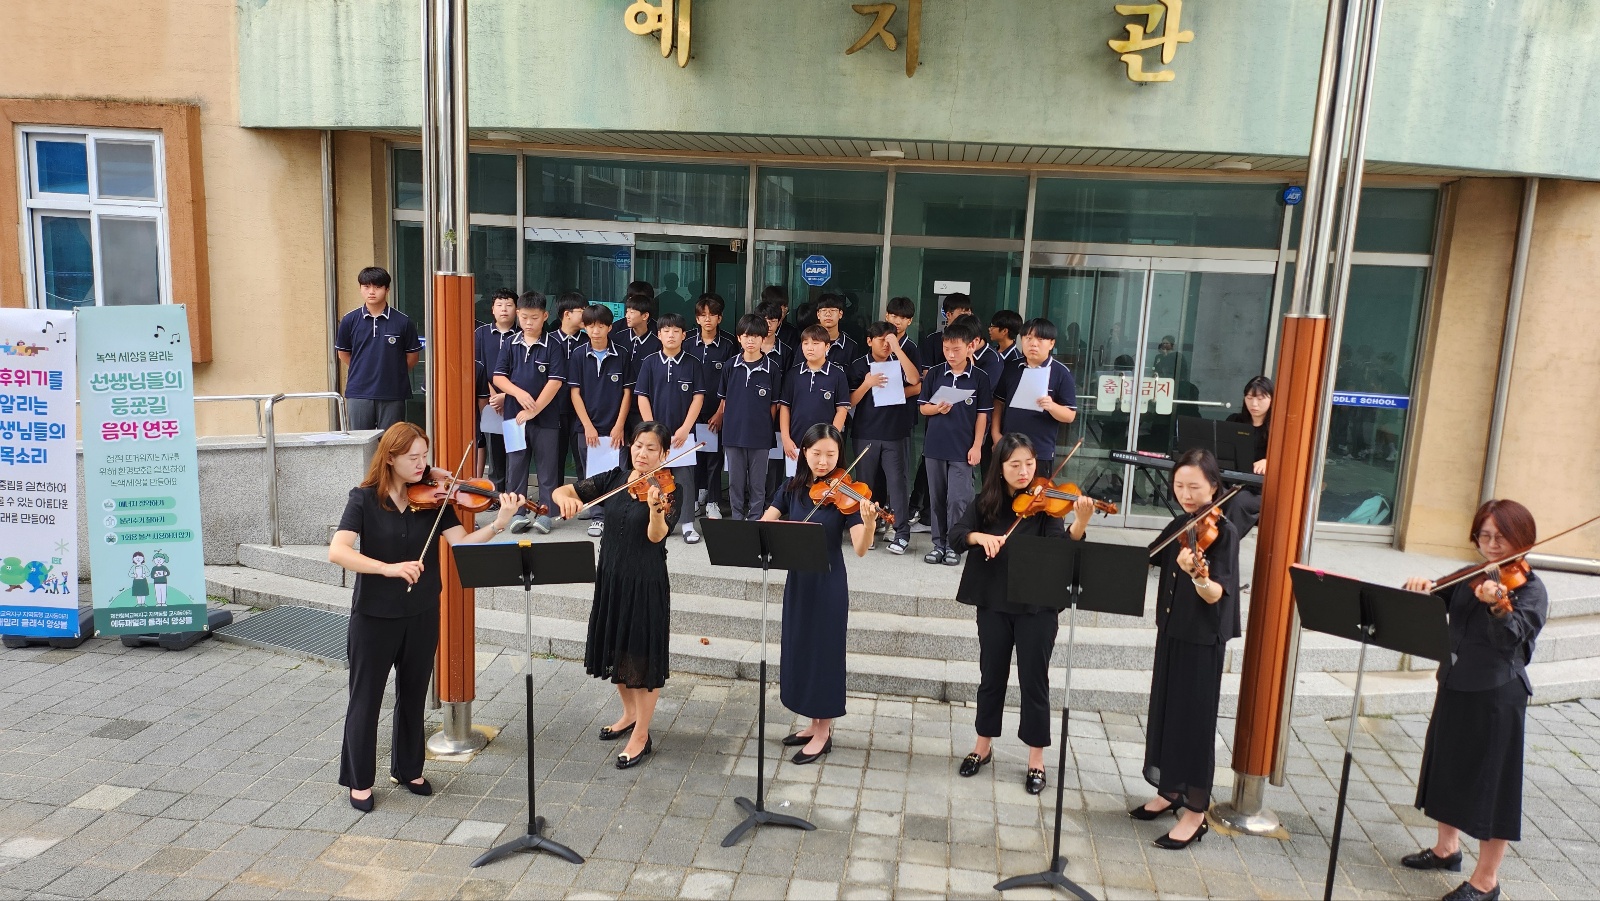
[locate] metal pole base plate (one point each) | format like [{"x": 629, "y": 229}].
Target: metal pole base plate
[
  {"x": 1056, "y": 876},
  {"x": 533, "y": 841},
  {"x": 759, "y": 817},
  {"x": 442, "y": 746},
  {"x": 1261, "y": 822}
]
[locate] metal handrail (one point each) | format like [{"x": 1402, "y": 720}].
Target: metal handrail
[
  {"x": 272, "y": 447},
  {"x": 257, "y": 398}
]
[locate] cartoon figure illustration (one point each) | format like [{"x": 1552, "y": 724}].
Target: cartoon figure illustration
[
  {"x": 158, "y": 575},
  {"x": 13, "y": 573},
  {"x": 141, "y": 581},
  {"x": 38, "y": 573}
]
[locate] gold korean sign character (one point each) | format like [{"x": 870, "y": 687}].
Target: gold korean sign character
[
  {"x": 882, "y": 13},
  {"x": 645, "y": 18},
  {"x": 1164, "y": 14}
]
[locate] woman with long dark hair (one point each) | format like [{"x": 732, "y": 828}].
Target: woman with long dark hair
[
  {"x": 816, "y": 606},
  {"x": 394, "y": 612},
  {"x": 1196, "y": 615},
  {"x": 1005, "y": 625},
  {"x": 629, "y": 618},
  {"x": 1471, "y": 779},
  {"x": 1245, "y": 508}
]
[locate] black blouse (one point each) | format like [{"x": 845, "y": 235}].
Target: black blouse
[
  {"x": 1488, "y": 651},
  {"x": 985, "y": 583},
  {"x": 393, "y": 536},
  {"x": 1180, "y": 611}
]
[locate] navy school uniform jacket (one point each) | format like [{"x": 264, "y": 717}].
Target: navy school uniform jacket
[
  {"x": 813, "y": 396},
  {"x": 713, "y": 357},
  {"x": 531, "y": 367},
  {"x": 872, "y": 422},
  {"x": 750, "y": 390},
  {"x": 1038, "y": 425},
  {"x": 949, "y": 435},
  {"x": 600, "y": 382},
  {"x": 670, "y": 384}
]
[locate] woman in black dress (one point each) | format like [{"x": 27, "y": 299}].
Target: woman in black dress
[
  {"x": 1471, "y": 778},
  {"x": 1245, "y": 508},
  {"x": 1195, "y": 618},
  {"x": 1005, "y": 625},
  {"x": 816, "y": 606},
  {"x": 629, "y": 622},
  {"x": 392, "y": 627}
]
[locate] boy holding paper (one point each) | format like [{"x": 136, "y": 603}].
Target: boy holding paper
[
  {"x": 751, "y": 384},
  {"x": 883, "y": 379},
  {"x": 671, "y": 391},
  {"x": 956, "y": 398},
  {"x": 597, "y": 374},
  {"x": 532, "y": 370},
  {"x": 713, "y": 347},
  {"x": 1037, "y": 396}
]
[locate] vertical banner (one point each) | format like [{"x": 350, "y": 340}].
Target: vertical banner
[
  {"x": 38, "y": 481},
  {"x": 141, "y": 472}
]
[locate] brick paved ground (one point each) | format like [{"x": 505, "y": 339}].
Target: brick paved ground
[{"x": 211, "y": 773}]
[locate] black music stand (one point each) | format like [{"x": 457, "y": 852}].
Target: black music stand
[
  {"x": 791, "y": 546},
  {"x": 1392, "y": 618},
  {"x": 527, "y": 564},
  {"x": 1072, "y": 575}
]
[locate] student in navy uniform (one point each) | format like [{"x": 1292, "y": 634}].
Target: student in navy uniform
[
  {"x": 597, "y": 373},
  {"x": 1005, "y": 328},
  {"x": 1059, "y": 403},
  {"x": 786, "y": 332},
  {"x": 671, "y": 390},
  {"x": 901, "y": 314},
  {"x": 814, "y": 391},
  {"x": 773, "y": 346},
  {"x": 884, "y": 433},
  {"x": 842, "y": 349},
  {"x": 488, "y": 341},
  {"x": 713, "y": 347},
  {"x": 748, "y": 394},
  {"x": 987, "y": 359},
  {"x": 532, "y": 372},
  {"x": 955, "y": 437},
  {"x": 569, "y": 333},
  {"x": 378, "y": 345},
  {"x": 639, "y": 313},
  {"x": 930, "y": 353}
]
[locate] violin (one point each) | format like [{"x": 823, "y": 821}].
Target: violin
[
  {"x": 1199, "y": 535},
  {"x": 1042, "y": 496},
  {"x": 1510, "y": 575},
  {"x": 838, "y": 489},
  {"x": 662, "y": 479},
  {"x": 471, "y": 495}
]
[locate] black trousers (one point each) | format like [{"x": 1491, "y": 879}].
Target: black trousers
[
  {"x": 375, "y": 645},
  {"x": 1033, "y": 637}
]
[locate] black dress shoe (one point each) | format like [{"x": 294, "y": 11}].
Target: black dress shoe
[
  {"x": 1172, "y": 844},
  {"x": 795, "y": 740},
  {"x": 609, "y": 734},
  {"x": 1144, "y": 813},
  {"x": 1466, "y": 891},
  {"x": 416, "y": 788},
  {"x": 1034, "y": 782},
  {"x": 801, "y": 757},
  {"x": 972, "y": 763},
  {"x": 363, "y": 804},
  {"x": 1427, "y": 860},
  {"x": 625, "y": 762}
]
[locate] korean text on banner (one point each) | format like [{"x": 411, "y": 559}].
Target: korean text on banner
[
  {"x": 141, "y": 472},
  {"x": 38, "y": 478}
]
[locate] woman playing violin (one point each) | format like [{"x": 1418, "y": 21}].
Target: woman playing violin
[
  {"x": 816, "y": 606},
  {"x": 629, "y": 618},
  {"x": 1471, "y": 779},
  {"x": 392, "y": 627},
  {"x": 1006, "y": 626},
  {"x": 1197, "y": 612}
]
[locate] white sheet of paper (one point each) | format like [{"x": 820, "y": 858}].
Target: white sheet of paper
[
  {"x": 516, "y": 435},
  {"x": 488, "y": 420},
  {"x": 777, "y": 450},
  {"x": 1031, "y": 385},
  {"x": 951, "y": 396},
  {"x": 712, "y": 440},
  {"x": 602, "y": 459},
  {"x": 893, "y": 392},
  {"x": 789, "y": 465},
  {"x": 681, "y": 455}
]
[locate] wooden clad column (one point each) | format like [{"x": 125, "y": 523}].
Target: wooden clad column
[{"x": 454, "y": 415}]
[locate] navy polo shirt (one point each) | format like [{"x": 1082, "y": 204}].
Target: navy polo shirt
[
  {"x": 671, "y": 385},
  {"x": 750, "y": 390},
  {"x": 781, "y": 355},
  {"x": 600, "y": 381},
  {"x": 914, "y": 353},
  {"x": 530, "y": 367},
  {"x": 377, "y": 346},
  {"x": 639, "y": 348},
  {"x": 872, "y": 421},
  {"x": 713, "y": 357},
  {"x": 1038, "y": 425},
  {"x": 1012, "y": 355},
  {"x": 789, "y": 333},
  {"x": 813, "y": 396},
  {"x": 988, "y": 359},
  {"x": 569, "y": 343},
  {"x": 949, "y": 435},
  {"x": 487, "y": 343},
  {"x": 844, "y": 351}
]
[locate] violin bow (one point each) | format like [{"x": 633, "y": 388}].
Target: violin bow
[
  {"x": 455, "y": 478},
  {"x": 816, "y": 507},
  {"x": 642, "y": 476},
  {"x": 1195, "y": 519},
  {"x": 1059, "y": 468},
  {"x": 1510, "y": 558}
]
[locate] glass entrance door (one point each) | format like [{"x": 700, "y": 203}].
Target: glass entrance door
[{"x": 681, "y": 271}]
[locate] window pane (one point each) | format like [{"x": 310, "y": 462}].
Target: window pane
[
  {"x": 67, "y": 275},
  {"x": 130, "y": 261},
  {"x": 492, "y": 184},
  {"x": 126, "y": 169},
  {"x": 1103, "y": 211},
  {"x": 1393, "y": 220},
  {"x": 492, "y": 252},
  {"x": 407, "y": 296},
  {"x": 821, "y": 200},
  {"x": 960, "y": 206},
  {"x": 855, "y": 278},
  {"x": 995, "y": 277},
  {"x": 637, "y": 192},
  {"x": 63, "y": 167},
  {"x": 597, "y": 271},
  {"x": 408, "y": 180}
]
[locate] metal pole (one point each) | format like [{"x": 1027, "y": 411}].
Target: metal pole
[
  {"x": 330, "y": 265},
  {"x": 430, "y": 217},
  {"x": 272, "y": 472},
  {"x": 1508, "y": 342}
]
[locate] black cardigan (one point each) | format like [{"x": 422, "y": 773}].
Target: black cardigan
[
  {"x": 984, "y": 582},
  {"x": 1180, "y": 611},
  {"x": 1488, "y": 651}
]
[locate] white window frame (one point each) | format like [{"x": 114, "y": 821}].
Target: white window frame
[{"x": 37, "y": 204}]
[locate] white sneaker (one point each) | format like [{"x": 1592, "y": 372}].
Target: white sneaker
[
  {"x": 713, "y": 511},
  {"x": 596, "y": 528},
  {"x": 690, "y": 536}
]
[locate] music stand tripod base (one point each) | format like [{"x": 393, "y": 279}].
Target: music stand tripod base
[
  {"x": 758, "y": 816},
  {"x": 532, "y": 841},
  {"x": 1055, "y": 876}
]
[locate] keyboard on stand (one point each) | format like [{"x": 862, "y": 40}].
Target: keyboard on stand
[{"x": 1164, "y": 463}]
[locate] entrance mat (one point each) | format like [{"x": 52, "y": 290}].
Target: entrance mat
[{"x": 302, "y": 631}]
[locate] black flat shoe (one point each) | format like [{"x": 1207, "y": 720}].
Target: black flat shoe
[
  {"x": 625, "y": 762},
  {"x": 363, "y": 804},
  {"x": 972, "y": 763},
  {"x": 801, "y": 757},
  {"x": 1034, "y": 782},
  {"x": 1172, "y": 844},
  {"x": 416, "y": 788},
  {"x": 1466, "y": 891},
  {"x": 1427, "y": 860},
  {"x": 1144, "y": 813},
  {"x": 609, "y": 734},
  {"x": 795, "y": 740}
]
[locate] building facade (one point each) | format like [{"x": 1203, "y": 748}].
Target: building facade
[{"x": 1128, "y": 176}]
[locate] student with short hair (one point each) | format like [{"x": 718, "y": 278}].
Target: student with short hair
[
  {"x": 773, "y": 345},
  {"x": 842, "y": 349},
  {"x": 1005, "y": 327},
  {"x": 569, "y": 333},
  {"x": 597, "y": 374},
  {"x": 1058, "y": 405},
  {"x": 902, "y": 313},
  {"x": 931, "y": 354},
  {"x": 713, "y": 347},
  {"x": 639, "y": 313},
  {"x": 671, "y": 390},
  {"x": 955, "y": 437},
  {"x": 532, "y": 371},
  {"x": 749, "y": 391},
  {"x": 786, "y": 333},
  {"x": 985, "y": 358},
  {"x": 882, "y": 435},
  {"x": 814, "y": 391},
  {"x": 488, "y": 340},
  {"x": 378, "y": 345}
]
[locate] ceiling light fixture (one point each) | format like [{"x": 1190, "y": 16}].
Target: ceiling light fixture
[{"x": 888, "y": 154}]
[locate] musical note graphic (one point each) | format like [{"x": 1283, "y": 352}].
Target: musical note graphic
[
  {"x": 159, "y": 330},
  {"x": 61, "y": 336}
]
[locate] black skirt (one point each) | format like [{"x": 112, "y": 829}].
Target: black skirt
[
  {"x": 1472, "y": 761},
  {"x": 1180, "y": 746}
]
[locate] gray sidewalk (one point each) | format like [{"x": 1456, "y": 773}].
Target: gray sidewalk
[{"x": 211, "y": 773}]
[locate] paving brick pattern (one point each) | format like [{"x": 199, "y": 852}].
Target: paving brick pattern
[{"x": 211, "y": 773}]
